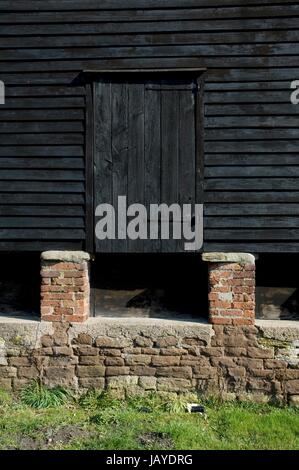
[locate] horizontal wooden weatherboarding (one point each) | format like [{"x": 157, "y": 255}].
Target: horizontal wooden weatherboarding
[{"x": 250, "y": 51}]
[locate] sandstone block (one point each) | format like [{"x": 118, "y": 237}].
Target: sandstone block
[
  {"x": 166, "y": 341},
  {"x": 160, "y": 361},
  {"x": 177, "y": 372},
  {"x": 107, "y": 342},
  {"x": 173, "y": 385},
  {"x": 148, "y": 383},
  {"x": 137, "y": 359},
  {"x": 114, "y": 370},
  {"x": 90, "y": 371}
]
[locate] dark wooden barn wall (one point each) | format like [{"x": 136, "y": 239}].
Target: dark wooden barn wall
[{"x": 251, "y": 52}]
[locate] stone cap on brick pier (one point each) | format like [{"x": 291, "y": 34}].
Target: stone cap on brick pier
[
  {"x": 241, "y": 258},
  {"x": 67, "y": 256}
]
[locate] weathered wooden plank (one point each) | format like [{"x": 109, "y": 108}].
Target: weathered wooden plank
[
  {"x": 253, "y": 221},
  {"x": 45, "y": 91},
  {"x": 283, "y": 171},
  {"x": 263, "y": 96},
  {"x": 256, "y": 122},
  {"x": 25, "y": 102},
  {"x": 40, "y": 234},
  {"x": 74, "y": 5},
  {"x": 112, "y": 27},
  {"x": 250, "y": 247},
  {"x": 251, "y": 134},
  {"x": 251, "y": 159},
  {"x": 187, "y": 155},
  {"x": 41, "y": 187},
  {"x": 36, "y": 127},
  {"x": 40, "y": 245},
  {"x": 192, "y": 38},
  {"x": 41, "y": 222},
  {"x": 42, "y": 139},
  {"x": 45, "y": 163},
  {"x": 119, "y": 143},
  {"x": 253, "y": 146},
  {"x": 207, "y": 51},
  {"x": 39, "y": 211},
  {"x": 258, "y": 184},
  {"x": 67, "y": 114},
  {"x": 63, "y": 199},
  {"x": 42, "y": 175},
  {"x": 117, "y": 61},
  {"x": 248, "y": 86},
  {"x": 252, "y": 109},
  {"x": 152, "y": 154},
  {"x": 261, "y": 207},
  {"x": 41, "y": 151},
  {"x": 160, "y": 14},
  {"x": 170, "y": 125},
  {"x": 256, "y": 234},
  {"x": 136, "y": 161},
  {"x": 103, "y": 163},
  {"x": 263, "y": 197},
  {"x": 40, "y": 78},
  {"x": 89, "y": 169},
  {"x": 221, "y": 74}
]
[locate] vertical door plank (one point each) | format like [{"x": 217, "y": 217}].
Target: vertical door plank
[
  {"x": 103, "y": 165},
  {"x": 200, "y": 164},
  {"x": 89, "y": 170},
  {"x": 187, "y": 157},
  {"x": 152, "y": 156},
  {"x": 170, "y": 155},
  {"x": 136, "y": 152},
  {"x": 119, "y": 103}
]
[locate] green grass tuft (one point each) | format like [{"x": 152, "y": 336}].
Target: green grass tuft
[
  {"x": 38, "y": 396},
  {"x": 5, "y": 398},
  {"x": 97, "y": 399}
]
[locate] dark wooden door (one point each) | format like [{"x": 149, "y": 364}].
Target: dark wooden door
[{"x": 147, "y": 148}]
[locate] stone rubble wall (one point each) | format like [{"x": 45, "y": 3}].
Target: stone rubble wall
[{"x": 245, "y": 362}]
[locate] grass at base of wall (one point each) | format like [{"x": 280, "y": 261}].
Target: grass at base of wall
[{"x": 100, "y": 421}]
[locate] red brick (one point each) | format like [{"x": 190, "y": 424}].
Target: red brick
[
  {"x": 220, "y": 321},
  {"x": 75, "y": 273},
  {"x": 50, "y": 274},
  {"x": 63, "y": 311},
  {"x": 64, "y": 282},
  {"x": 66, "y": 266},
  {"x": 220, "y": 304},
  {"x": 80, "y": 282},
  {"x": 231, "y": 312},
  {"x": 242, "y": 321},
  {"x": 46, "y": 310},
  {"x": 51, "y": 303}
]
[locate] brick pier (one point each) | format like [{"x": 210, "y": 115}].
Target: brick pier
[
  {"x": 65, "y": 287},
  {"x": 231, "y": 288}
]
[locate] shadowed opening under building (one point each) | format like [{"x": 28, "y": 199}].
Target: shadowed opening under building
[
  {"x": 147, "y": 285},
  {"x": 277, "y": 289},
  {"x": 19, "y": 284}
]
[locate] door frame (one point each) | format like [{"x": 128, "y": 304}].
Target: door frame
[{"x": 91, "y": 77}]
